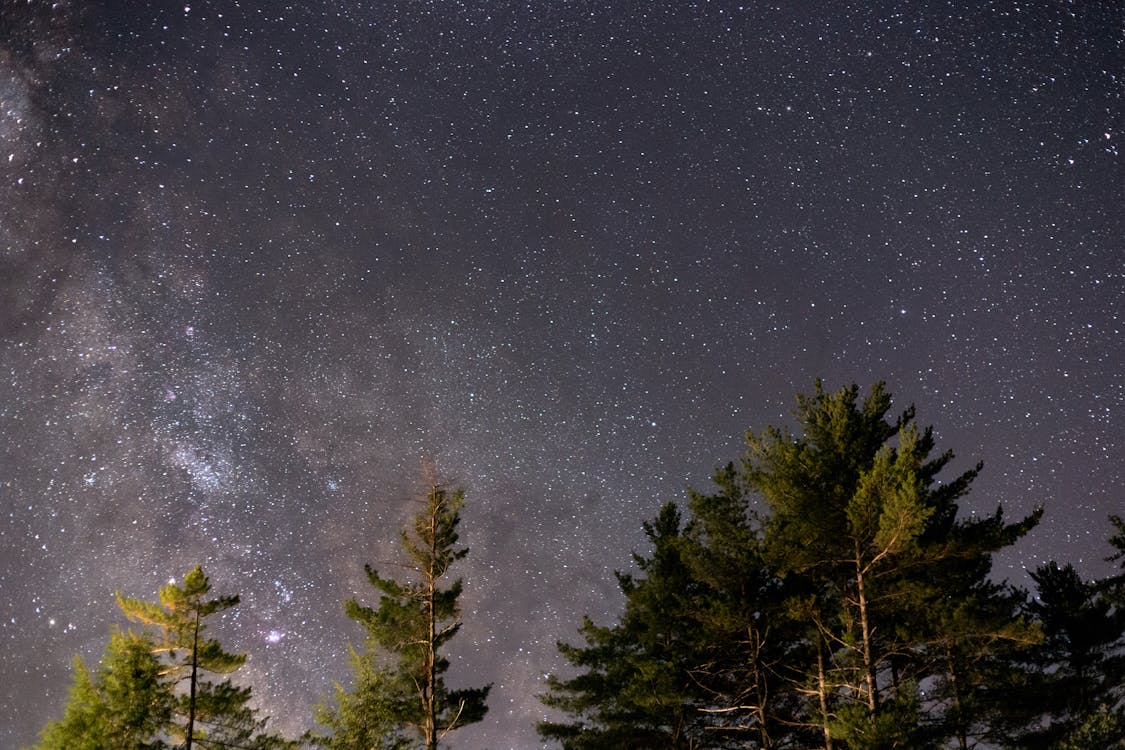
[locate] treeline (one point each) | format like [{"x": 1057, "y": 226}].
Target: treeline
[{"x": 827, "y": 593}]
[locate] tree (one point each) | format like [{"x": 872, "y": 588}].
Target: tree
[
  {"x": 81, "y": 726},
  {"x": 693, "y": 660},
  {"x": 122, "y": 706},
  {"x": 869, "y": 543},
  {"x": 1073, "y": 695},
  {"x": 636, "y": 688},
  {"x": 745, "y": 642},
  {"x": 847, "y": 508},
  {"x": 398, "y": 689},
  {"x": 1104, "y": 729},
  {"x": 1078, "y": 670},
  {"x": 373, "y": 714},
  {"x": 214, "y": 714},
  {"x": 977, "y": 648}
]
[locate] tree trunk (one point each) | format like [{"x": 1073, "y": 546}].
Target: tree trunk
[
  {"x": 865, "y": 632},
  {"x": 431, "y": 656},
  {"x": 761, "y": 693},
  {"x": 194, "y": 674},
  {"x": 822, "y": 692},
  {"x": 958, "y": 714}
]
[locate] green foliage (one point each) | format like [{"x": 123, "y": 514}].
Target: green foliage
[
  {"x": 896, "y": 726},
  {"x": 1104, "y": 729},
  {"x": 398, "y": 691},
  {"x": 743, "y": 641},
  {"x": 636, "y": 688},
  {"x": 371, "y": 715},
  {"x": 1079, "y": 666},
  {"x": 977, "y": 645},
  {"x": 123, "y": 706},
  {"x": 212, "y": 714},
  {"x": 809, "y": 614},
  {"x": 870, "y": 542},
  {"x": 82, "y": 726},
  {"x": 180, "y": 618}
]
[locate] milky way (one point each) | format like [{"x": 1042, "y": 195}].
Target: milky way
[{"x": 259, "y": 260}]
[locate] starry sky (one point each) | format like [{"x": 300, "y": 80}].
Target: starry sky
[{"x": 259, "y": 260}]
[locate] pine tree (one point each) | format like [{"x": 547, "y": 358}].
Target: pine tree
[
  {"x": 213, "y": 714},
  {"x": 863, "y": 530},
  {"x": 846, "y": 508},
  {"x": 374, "y": 714},
  {"x": 1104, "y": 729},
  {"x": 695, "y": 659},
  {"x": 745, "y": 645},
  {"x": 399, "y": 689},
  {"x": 1078, "y": 670},
  {"x": 82, "y": 725},
  {"x": 124, "y": 705},
  {"x": 976, "y": 649},
  {"x": 636, "y": 688},
  {"x": 1076, "y": 693}
]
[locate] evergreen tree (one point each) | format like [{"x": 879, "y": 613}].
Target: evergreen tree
[
  {"x": 870, "y": 541},
  {"x": 374, "y": 714},
  {"x": 1104, "y": 729},
  {"x": 847, "y": 508},
  {"x": 1074, "y": 692},
  {"x": 1078, "y": 670},
  {"x": 214, "y": 714},
  {"x": 977, "y": 648},
  {"x": 1117, "y": 541},
  {"x": 82, "y": 726},
  {"x": 399, "y": 690},
  {"x": 737, "y": 610},
  {"x": 636, "y": 687},
  {"x": 123, "y": 706},
  {"x": 694, "y": 660}
]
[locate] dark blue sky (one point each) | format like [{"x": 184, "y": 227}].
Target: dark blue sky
[{"x": 257, "y": 260}]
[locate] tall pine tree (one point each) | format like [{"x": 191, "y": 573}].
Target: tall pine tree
[
  {"x": 635, "y": 686},
  {"x": 1079, "y": 669},
  {"x": 213, "y": 714},
  {"x": 815, "y": 618},
  {"x": 737, "y": 611},
  {"x": 847, "y": 508},
  {"x": 399, "y": 696},
  {"x": 863, "y": 529}
]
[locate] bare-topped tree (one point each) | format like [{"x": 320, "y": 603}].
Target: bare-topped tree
[
  {"x": 398, "y": 690},
  {"x": 214, "y": 714}
]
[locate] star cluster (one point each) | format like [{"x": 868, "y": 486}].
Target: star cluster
[{"x": 258, "y": 260}]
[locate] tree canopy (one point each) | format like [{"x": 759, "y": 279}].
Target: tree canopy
[{"x": 807, "y": 601}]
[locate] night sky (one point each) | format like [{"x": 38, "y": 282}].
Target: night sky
[{"x": 259, "y": 260}]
